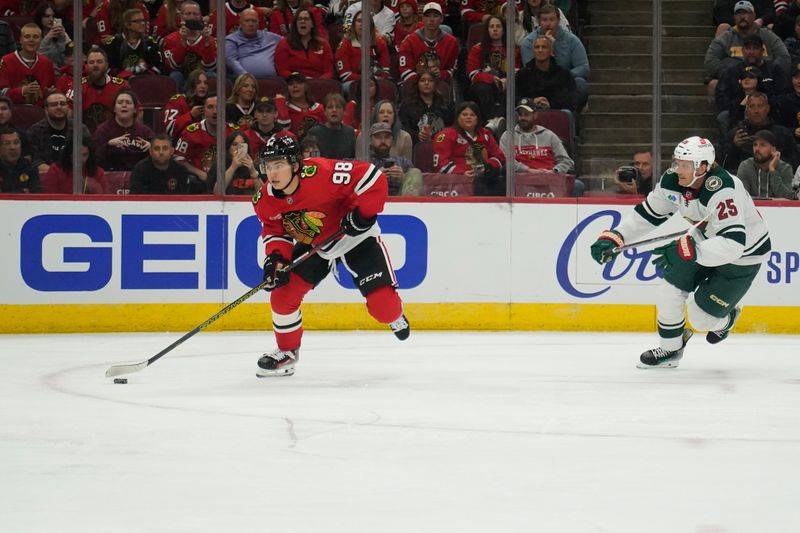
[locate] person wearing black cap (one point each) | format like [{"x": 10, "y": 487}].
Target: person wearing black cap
[
  {"x": 765, "y": 175},
  {"x": 265, "y": 127}
]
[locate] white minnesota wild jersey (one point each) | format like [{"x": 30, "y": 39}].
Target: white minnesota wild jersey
[{"x": 734, "y": 233}]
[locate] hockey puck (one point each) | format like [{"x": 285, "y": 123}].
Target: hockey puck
[{"x": 120, "y": 381}]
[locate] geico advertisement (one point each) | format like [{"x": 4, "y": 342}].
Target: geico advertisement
[{"x": 152, "y": 252}]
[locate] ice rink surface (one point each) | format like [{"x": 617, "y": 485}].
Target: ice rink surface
[{"x": 448, "y": 432}]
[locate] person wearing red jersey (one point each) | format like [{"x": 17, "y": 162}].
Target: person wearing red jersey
[
  {"x": 191, "y": 47},
  {"x": 304, "y": 50},
  {"x": 285, "y": 10},
  {"x": 487, "y": 69},
  {"x": 167, "y": 19},
  {"x": 184, "y": 108},
  {"x": 233, "y": 10},
  {"x": 348, "y": 55},
  {"x": 468, "y": 148},
  {"x": 99, "y": 90},
  {"x": 27, "y": 75},
  {"x": 265, "y": 127},
  {"x": 299, "y": 112},
  {"x": 408, "y": 21},
  {"x": 196, "y": 148},
  {"x": 477, "y": 11},
  {"x": 303, "y": 203},
  {"x": 430, "y": 38},
  {"x": 105, "y": 19}
]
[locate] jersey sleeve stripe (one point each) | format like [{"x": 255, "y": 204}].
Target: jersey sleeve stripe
[
  {"x": 760, "y": 242},
  {"x": 368, "y": 180},
  {"x": 736, "y": 236},
  {"x": 277, "y": 238},
  {"x": 732, "y": 227},
  {"x": 645, "y": 213}
]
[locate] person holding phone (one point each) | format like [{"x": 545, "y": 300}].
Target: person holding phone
[
  {"x": 403, "y": 178},
  {"x": 241, "y": 176},
  {"x": 765, "y": 175},
  {"x": 54, "y": 42}
]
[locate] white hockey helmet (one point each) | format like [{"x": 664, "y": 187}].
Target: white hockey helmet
[{"x": 695, "y": 149}]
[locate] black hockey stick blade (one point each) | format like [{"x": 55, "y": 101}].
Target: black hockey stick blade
[{"x": 118, "y": 370}]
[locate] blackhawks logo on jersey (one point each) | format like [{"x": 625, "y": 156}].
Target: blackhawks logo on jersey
[
  {"x": 303, "y": 225},
  {"x": 309, "y": 171}
]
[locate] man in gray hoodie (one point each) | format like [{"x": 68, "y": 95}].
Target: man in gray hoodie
[{"x": 764, "y": 175}]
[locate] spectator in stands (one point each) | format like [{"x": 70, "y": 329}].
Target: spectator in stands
[
  {"x": 764, "y": 175},
  {"x": 241, "y": 176},
  {"x": 536, "y": 148},
  {"x": 265, "y": 127},
  {"x": 17, "y": 173},
  {"x": 383, "y": 18},
  {"x": 568, "y": 50},
  {"x": 54, "y": 42},
  {"x": 786, "y": 19},
  {"x": 788, "y": 106},
  {"x": 299, "y": 112},
  {"x": 403, "y": 178},
  {"x": 7, "y": 122},
  {"x": 63, "y": 10},
  {"x": 191, "y": 47},
  {"x": 425, "y": 112},
  {"x": 731, "y": 100},
  {"x": 486, "y": 68},
  {"x": 348, "y": 55},
  {"x": 167, "y": 19},
  {"x": 309, "y": 147},
  {"x": 282, "y": 16},
  {"x": 49, "y": 136},
  {"x": 159, "y": 173},
  {"x": 643, "y": 181},
  {"x": 132, "y": 51},
  {"x": 468, "y": 148},
  {"x": 99, "y": 89},
  {"x": 250, "y": 50},
  {"x": 304, "y": 50},
  {"x": 197, "y": 146},
  {"x": 528, "y": 19},
  {"x": 234, "y": 9},
  {"x": 408, "y": 21},
  {"x": 242, "y": 102},
  {"x": 724, "y": 13},
  {"x": 59, "y": 177},
  {"x": 738, "y": 143},
  {"x": 543, "y": 80},
  {"x": 726, "y": 49},
  {"x": 184, "y": 108},
  {"x": 386, "y": 111},
  {"x": 7, "y": 42},
  {"x": 122, "y": 141},
  {"x": 336, "y": 140},
  {"x": 792, "y": 43},
  {"x": 106, "y": 18},
  {"x": 27, "y": 75},
  {"x": 430, "y": 40},
  {"x": 352, "y": 111}
]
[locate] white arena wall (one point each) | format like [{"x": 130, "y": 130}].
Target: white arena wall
[{"x": 160, "y": 264}]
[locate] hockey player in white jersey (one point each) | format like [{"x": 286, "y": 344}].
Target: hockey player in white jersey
[{"x": 710, "y": 268}]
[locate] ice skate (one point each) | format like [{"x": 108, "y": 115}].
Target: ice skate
[
  {"x": 277, "y": 363},
  {"x": 718, "y": 336},
  {"x": 401, "y": 328},
  {"x": 661, "y": 358}
]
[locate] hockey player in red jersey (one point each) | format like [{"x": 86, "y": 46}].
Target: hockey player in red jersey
[
  {"x": 306, "y": 202},
  {"x": 429, "y": 39}
]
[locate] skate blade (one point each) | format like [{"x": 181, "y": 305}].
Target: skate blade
[
  {"x": 280, "y": 373},
  {"x": 644, "y": 366}
]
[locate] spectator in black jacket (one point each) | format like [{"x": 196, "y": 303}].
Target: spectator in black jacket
[
  {"x": 132, "y": 51},
  {"x": 160, "y": 173},
  {"x": 788, "y": 106},
  {"x": 425, "y": 112},
  {"x": 7, "y": 42},
  {"x": 49, "y": 136},
  {"x": 738, "y": 144},
  {"x": 549, "y": 85}
]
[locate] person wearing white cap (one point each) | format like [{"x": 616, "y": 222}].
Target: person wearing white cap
[{"x": 430, "y": 39}]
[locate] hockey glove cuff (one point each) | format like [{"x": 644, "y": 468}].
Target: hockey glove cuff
[
  {"x": 603, "y": 248},
  {"x": 274, "y": 276},
  {"x": 670, "y": 255},
  {"x": 354, "y": 224}
]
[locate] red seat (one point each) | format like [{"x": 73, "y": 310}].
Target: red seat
[
  {"x": 271, "y": 86},
  {"x": 319, "y": 88},
  {"x": 118, "y": 182},
  {"x": 422, "y": 156},
  {"x": 153, "y": 90},
  {"x": 448, "y": 184},
  {"x": 474, "y": 35},
  {"x": 558, "y": 122},
  {"x": 543, "y": 185},
  {"x": 17, "y": 22},
  {"x": 23, "y": 116}
]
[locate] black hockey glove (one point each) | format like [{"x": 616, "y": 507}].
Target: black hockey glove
[
  {"x": 273, "y": 275},
  {"x": 354, "y": 224}
]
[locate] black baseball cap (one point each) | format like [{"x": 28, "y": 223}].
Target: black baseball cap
[{"x": 265, "y": 103}]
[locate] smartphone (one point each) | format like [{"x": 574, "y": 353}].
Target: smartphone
[
  {"x": 194, "y": 24},
  {"x": 388, "y": 163},
  {"x": 58, "y": 22},
  {"x": 242, "y": 149}
]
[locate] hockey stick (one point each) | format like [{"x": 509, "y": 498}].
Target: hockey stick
[
  {"x": 118, "y": 370},
  {"x": 663, "y": 237}
]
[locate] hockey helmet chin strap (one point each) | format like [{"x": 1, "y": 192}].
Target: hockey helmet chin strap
[{"x": 695, "y": 177}]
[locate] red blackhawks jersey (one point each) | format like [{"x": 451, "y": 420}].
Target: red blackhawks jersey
[
  {"x": 456, "y": 151},
  {"x": 473, "y": 11},
  {"x": 102, "y": 21},
  {"x": 280, "y": 20},
  {"x": 197, "y": 146},
  {"x": 496, "y": 66},
  {"x": 201, "y": 52},
  {"x": 98, "y": 101},
  {"x": 160, "y": 27},
  {"x": 14, "y": 72},
  {"x": 348, "y": 60},
  {"x": 177, "y": 114},
  {"x": 297, "y": 119},
  {"x": 256, "y": 139},
  {"x": 328, "y": 190},
  {"x": 415, "y": 47}
]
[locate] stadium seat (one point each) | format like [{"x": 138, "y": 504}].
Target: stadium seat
[
  {"x": 17, "y": 22},
  {"x": 558, "y": 122},
  {"x": 543, "y": 185},
  {"x": 422, "y": 156},
  {"x": 271, "y": 86},
  {"x": 118, "y": 182},
  {"x": 153, "y": 90},
  {"x": 319, "y": 88},
  {"x": 474, "y": 35},
  {"x": 23, "y": 116},
  {"x": 447, "y": 184}
]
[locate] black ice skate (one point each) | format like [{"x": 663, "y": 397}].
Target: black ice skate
[
  {"x": 661, "y": 358},
  {"x": 718, "y": 336},
  {"x": 401, "y": 328},
  {"x": 277, "y": 363}
]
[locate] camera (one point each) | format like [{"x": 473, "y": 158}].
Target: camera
[
  {"x": 194, "y": 24},
  {"x": 628, "y": 173}
]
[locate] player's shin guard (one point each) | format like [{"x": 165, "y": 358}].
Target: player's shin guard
[
  {"x": 385, "y": 306},
  {"x": 287, "y": 320},
  {"x": 670, "y": 315}
]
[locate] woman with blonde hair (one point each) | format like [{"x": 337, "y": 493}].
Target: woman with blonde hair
[{"x": 241, "y": 105}]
